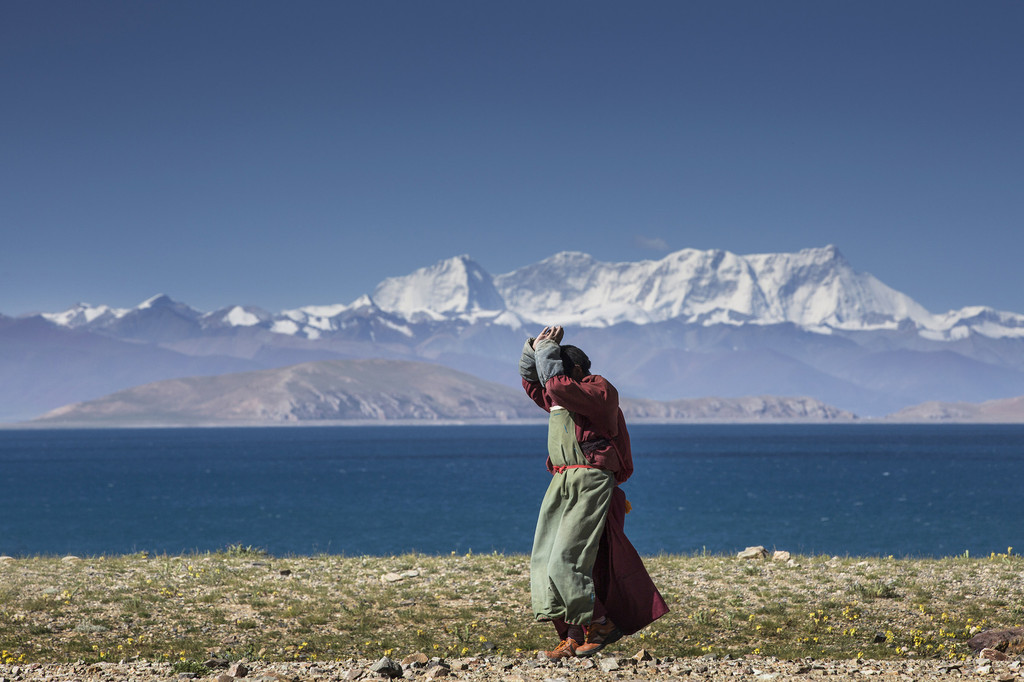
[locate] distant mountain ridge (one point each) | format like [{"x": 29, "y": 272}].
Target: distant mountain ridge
[
  {"x": 377, "y": 391},
  {"x": 814, "y": 289},
  {"x": 689, "y": 325}
]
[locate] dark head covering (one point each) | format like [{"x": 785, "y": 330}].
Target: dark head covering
[{"x": 574, "y": 357}]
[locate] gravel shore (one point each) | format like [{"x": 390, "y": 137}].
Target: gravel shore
[{"x": 499, "y": 669}]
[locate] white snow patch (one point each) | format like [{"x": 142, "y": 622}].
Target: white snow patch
[
  {"x": 401, "y": 328},
  {"x": 240, "y": 317},
  {"x": 324, "y": 310},
  {"x": 287, "y": 327}
]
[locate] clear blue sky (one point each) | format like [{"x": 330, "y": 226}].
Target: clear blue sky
[{"x": 289, "y": 153}]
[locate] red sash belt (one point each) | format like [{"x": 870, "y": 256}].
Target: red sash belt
[{"x": 563, "y": 469}]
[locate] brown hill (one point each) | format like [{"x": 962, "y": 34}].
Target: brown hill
[
  {"x": 377, "y": 390},
  {"x": 1006, "y": 411},
  {"x": 331, "y": 390}
]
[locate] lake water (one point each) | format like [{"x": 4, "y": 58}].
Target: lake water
[{"x": 833, "y": 489}]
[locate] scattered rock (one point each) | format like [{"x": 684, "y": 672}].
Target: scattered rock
[
  {"x": 217, "y": 662},
  {"x": 4, "y": 559},
  {"x": 435, "y": 672},
  {"x": 70, "y": 559},
  {"x": 1009, "y": 639},
  {"x": 781, "y": 555},
  {"x": 993, "y": 655},
  {"x": 238, "y": 670},
  {"x": 608, "y": 664},
  {"x": 224, "y": 677},
  {"x": 392, "y": 578},
  {"x": 643, "y": 655},
  {"x": 417, "y": 660},
  {"x": 757, "y": 552},
  {"x": 285, "y": 572},
  {"x": 387, "y": 668}
]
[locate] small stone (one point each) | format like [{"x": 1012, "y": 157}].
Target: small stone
[
  {"x": 353, "y": 674},
  {"x": 4, "y": 559},
  {"x": 984, "y": 670},
  {"x": 1006, "y": 677},
  {"x": 238, "y": 670},
  {"x": 285, "y": 572},
  {"x": 608, "y": 664},
  {"x": 757, "y": 552},
  {"x": 643, "y": 655},
  {"x": 993, "y": 655},
  {"x": 214, "y": 662},
  {"x": 392, "y": 578},
  {"x": 514, "y": 678},
  {"x": 435, "y": 672},
  {"x": 224, "y": 677},
  {"x": 417, "y": 660},
  {"x": 781, "y": 555},
  {"x": 187, "y": 676},
  {"x": 410, "y": 574},
  {"x": 387, "y": 668}
]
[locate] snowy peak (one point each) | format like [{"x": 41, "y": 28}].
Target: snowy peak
[
  {"x": 82, "y": 314},
  {"x": 236, "y": 316},
  {"x": 457, "y": 287},
  {"x": 815, "y": 288}
]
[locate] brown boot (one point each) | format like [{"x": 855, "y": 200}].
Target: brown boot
[
  {"x": 599, "y": 635},
  {"x": 565, "y": 649}
]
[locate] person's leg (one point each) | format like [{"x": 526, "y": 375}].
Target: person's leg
[
  {"x": 574, "y": 551},
  {"x": 546, "y": 601}
]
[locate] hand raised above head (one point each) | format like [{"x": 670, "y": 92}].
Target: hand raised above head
[{"x": 555, "y": 333}]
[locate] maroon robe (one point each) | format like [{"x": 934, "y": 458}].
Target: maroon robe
[{"x": 624, "y": 589}]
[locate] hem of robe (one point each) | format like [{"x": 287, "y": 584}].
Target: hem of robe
[{"x": 621, "y": 581}]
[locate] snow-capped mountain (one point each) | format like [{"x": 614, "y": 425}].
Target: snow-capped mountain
[
  {"x": 691, "y": 324},
  {"x": 456, "y": 287},
  {"x": 815, "y": 289}
]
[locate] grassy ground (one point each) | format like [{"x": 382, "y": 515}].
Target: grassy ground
[{"x": 241, "y": 603}]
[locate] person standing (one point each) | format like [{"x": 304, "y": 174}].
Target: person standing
[{"x": 585, "y": 576}]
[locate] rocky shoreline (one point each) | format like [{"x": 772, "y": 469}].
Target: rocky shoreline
[{"x": 640, "y": 666}]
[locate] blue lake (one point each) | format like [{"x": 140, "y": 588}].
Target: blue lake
[{"x": 835, "y": 489}]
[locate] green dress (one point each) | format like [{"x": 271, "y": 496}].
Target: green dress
[{"x": 569, "y": 528}]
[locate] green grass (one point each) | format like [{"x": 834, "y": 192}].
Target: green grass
[{"x": 245, "y": 603}]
